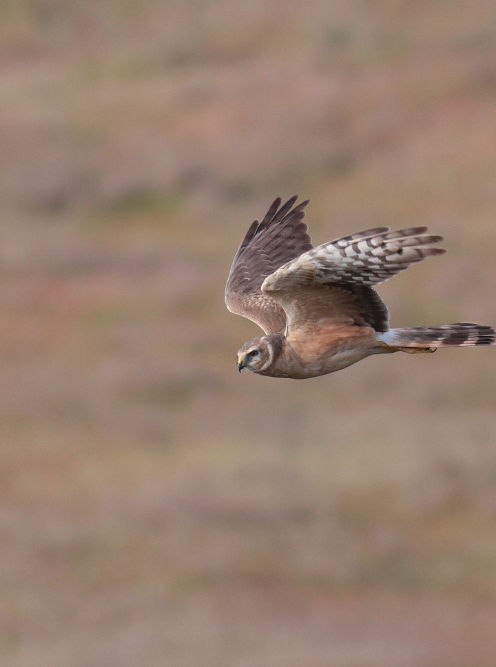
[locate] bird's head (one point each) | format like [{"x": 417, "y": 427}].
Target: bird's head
[{"x": 256, "y": 354}]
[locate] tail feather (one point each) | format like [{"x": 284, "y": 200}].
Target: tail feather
[{"x": 460, "y": 334}]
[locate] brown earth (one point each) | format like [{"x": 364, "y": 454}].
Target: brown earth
[{"x": 158, "y": 508}]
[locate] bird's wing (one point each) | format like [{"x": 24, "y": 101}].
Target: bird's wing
[
  {"x": 334, "y": 281},
  {"x": 280, "y": 237}
]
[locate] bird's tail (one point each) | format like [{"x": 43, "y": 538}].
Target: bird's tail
[{"x": 428, "y": 339}]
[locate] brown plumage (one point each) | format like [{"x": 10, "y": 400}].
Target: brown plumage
[
  {"x": 317, "y": 306},
  {"x": 269, "y": 244}
]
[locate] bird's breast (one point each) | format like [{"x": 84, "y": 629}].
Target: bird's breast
[{"x": 319, "y": 350}]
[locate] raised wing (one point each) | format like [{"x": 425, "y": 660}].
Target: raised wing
[
  {"x": 334, "y": 280},
  {"x": 280, "y": 237}
]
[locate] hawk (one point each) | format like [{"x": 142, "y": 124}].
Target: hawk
[{"x": 318, "y": 306}]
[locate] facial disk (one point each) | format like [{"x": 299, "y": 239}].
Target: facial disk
[{"x": 256, "y": 355}]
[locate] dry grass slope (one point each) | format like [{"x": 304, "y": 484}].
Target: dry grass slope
[{"x": 156, "y": 507}]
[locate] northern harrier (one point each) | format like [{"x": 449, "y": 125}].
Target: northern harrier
[{"x": 317, "y": 306}]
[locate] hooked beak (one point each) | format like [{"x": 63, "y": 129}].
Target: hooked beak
[{"x": 241, "y": 364}]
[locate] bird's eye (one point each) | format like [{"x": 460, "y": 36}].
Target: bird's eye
[{"x": 253, "y": 353}]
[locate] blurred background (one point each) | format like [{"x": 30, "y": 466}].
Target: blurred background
[{"x": 156, "y": 507}]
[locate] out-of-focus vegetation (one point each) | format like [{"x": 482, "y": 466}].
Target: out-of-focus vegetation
[{"x": 157, "y": 507}]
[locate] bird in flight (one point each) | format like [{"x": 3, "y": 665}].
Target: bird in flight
[{"x": 318, "y": 306}]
